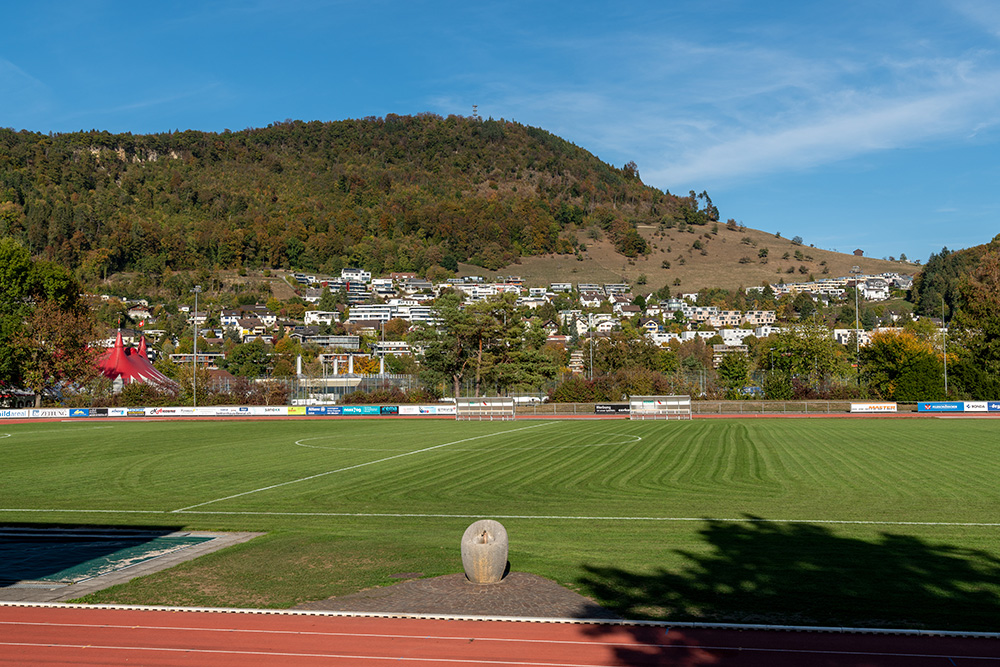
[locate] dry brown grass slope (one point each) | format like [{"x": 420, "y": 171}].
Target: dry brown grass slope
[{"x": 728, "y": 259}]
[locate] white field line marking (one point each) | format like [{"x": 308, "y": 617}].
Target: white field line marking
[
  {"x": 527, "y": 517},
  {"x": 60, "y": 430},
  {"x": 635, "y": 439},
  {"x": 556, "y": 517},
  {"x": 361, "y": 465}
]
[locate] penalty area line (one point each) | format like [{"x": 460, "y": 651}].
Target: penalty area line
[{"x": 359, "y": 465}]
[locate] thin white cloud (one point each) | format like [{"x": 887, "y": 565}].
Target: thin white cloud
[
  {"x": 200, "y": 94},
  {"x": 689, "y": 113},
  {"x": 20, "y": 93},
  {"x": 879, "y": 124},
  {"x": 985, "y": 14}
]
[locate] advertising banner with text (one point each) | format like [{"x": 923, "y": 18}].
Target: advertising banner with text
[
  {"x": 941, "y": 406},
  {"x": 873, "y": 407}
]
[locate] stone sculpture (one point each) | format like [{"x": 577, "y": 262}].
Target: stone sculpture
[{"x": 484, "y": 552}]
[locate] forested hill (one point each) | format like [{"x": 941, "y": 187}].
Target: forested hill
[
  {"x": 939, "y": 288},
  {"x": 404, "y": 193}
]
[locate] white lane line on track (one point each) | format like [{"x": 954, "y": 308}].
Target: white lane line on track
[
  {"x": 462, "y": 638},
  {"x": 301, "y": 633},
  {"x": 528, "y": 517},
  {"x": 361, "y": 465},
  {"x": 286, "y": 654},
  {"x": 481, "y": 661}
]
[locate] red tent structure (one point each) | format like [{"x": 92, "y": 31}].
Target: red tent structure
[{"x": 132, "y": 365}]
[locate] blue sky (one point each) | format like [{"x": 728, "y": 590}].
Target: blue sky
[{"x": 868, "y": 125}]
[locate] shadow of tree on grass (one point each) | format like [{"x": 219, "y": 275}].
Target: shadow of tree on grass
[{"x": 760, "y": 571}]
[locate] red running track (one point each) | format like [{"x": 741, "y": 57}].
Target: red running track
[{"x": 80, "y": 636}]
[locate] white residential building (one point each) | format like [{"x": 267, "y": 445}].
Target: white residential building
[
  {"x": 356, "y": 275},
  {"x": 735, "y": 336},
  {"x": 321, "y": 317}
]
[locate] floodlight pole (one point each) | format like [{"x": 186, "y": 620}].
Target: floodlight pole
[
  {"x": 944, "y": 344},
  {"x": 856, "y": 270},
  {"x": 194, "y": 362},
  {"x": 590, "y": 326}
]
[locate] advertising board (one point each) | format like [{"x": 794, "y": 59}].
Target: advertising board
[
  {"x": 223, "y": 411},
  {"x": 269, "y": 410},
  {"x": 976, "y": 406},
  {"x": 296, "y": 410},
  {"x": 611, "y": 409},
  {"x": 941, "y": 406},
  {"x": 49, "y": 413},
  {"x": 79, "y": 412},
  {"x": 388, "y": 410},
  {"x": 14, "y": 414},
  {"x": 118, "y": 412},
  {"x": 318, "y": 410},
  {"x": 360, "y": 410},
  {"x": 873, "y": 407},
  {"x": 426, "y": 410},
  {"x": 993, "y": 406}
]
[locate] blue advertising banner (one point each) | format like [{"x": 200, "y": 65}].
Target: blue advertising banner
[
  {"x": 941, "y": 406},
  {"x": 79, "y": 412},
  {"x": 993, "y": 406},
  {"x": 389, "y": 410},
  {"x": 334, "y": 410},
  {"x": 315, "y": 411}
]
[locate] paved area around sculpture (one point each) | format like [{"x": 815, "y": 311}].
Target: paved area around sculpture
[{"x": 519, "y": 594}]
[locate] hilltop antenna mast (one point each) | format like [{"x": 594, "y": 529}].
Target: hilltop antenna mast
[{"x": 475, "y": 111}]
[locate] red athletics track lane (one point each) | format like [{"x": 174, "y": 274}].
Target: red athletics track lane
[{"x": 53, "y": 635}]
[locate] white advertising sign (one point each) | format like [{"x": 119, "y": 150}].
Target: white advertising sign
[
  {"x": 873, "y": 407},
  {"x": 271, "y": 410},
  {"x": 50, "y": 413}
]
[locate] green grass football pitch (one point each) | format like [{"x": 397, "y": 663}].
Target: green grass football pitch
[{"x": 891, "y": 523}]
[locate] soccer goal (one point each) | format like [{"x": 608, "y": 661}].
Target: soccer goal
[
  {"x": 491, "y": 408},
  {"x": 659, "y": 407}
]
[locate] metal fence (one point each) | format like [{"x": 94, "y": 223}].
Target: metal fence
[{"x": 713, "y": 408}]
